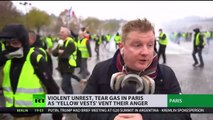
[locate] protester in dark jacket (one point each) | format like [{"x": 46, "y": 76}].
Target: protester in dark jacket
[
  {"x": 63, "y": 51},
  {"x": 36, "y": 43},
  {"x": 198, "y": 44},
  {"x": 66, "y": 47},
  {"x": 135, "y": 56},
  {"x": 17, "y": 69}
]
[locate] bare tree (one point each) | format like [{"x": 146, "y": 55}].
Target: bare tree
[{"x": 9, "y": 13}]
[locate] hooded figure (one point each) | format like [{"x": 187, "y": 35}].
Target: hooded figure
[
  {"x": 15, "y": 31},
  {"x": 25, "y": 71},
  {"x": 198, "y": 45},
  {"x": 196, "y": 30}
]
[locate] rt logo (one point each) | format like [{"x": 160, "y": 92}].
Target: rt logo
[{"x": 39, "y": 100}]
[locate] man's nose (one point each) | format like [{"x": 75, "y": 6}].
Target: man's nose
[{"x": 144, "y": 50}]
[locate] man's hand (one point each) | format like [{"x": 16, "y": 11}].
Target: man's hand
[{"x": 128, "y": 116}]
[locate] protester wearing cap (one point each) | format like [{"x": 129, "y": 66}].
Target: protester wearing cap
[
  {"x": 163, "y": 41},
  {"x": 25, "y": 71},
  {"x": 198, "y": 44},
  {"x": 84, "y": 47}
]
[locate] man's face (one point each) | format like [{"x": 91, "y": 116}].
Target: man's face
[
  {"x": 31, "y": 38},
  {"x": 63, "y": 35},
  {"x": 15, "y": 43},
  {"x": 138, "y": 50}
]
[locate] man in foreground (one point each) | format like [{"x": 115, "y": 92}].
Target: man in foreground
[{"x": 136, "y": 56}]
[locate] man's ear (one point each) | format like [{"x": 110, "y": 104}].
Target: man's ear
[
  {"x": 122, "y": 51},
  {"x": 121, "y": 47}
]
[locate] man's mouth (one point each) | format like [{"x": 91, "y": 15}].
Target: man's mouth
[{"x": 142, "y": 61}]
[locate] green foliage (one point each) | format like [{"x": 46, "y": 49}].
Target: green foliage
[
  {"x": 97, "y": 26},
  {"x": 36, "y": 19},
  {"x": 93, "y": 24},
  {"x": 111, "y": 26}
]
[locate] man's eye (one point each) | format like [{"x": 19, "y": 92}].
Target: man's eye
[
  {"x": 136, "y": 45},
  {"x": 149, "y": 45}
]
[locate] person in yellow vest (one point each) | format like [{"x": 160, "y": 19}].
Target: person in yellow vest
[
  {"x": 2, "y": 49},
  {"x": 198, "y": 45},
  {"x": 117, "y": 40},
  {"x": 36, "y": 43},
  {"x": 98, "y": 41},
  {"x": 207, "y": 35},
  {"x": 108, "y": 37},
  {"x": 163, "y": 41},
  {"x": 84, "y": 47},
  {"x": 25, "y": 73},
  {"x": 183, "y": 36},
  {"x": 49, "y": 42},
  {"x": 43, "y": 41},
  {"x": 66, "y": 52}
]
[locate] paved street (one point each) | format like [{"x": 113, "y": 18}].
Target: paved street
[{"x": 179, "y": 58}]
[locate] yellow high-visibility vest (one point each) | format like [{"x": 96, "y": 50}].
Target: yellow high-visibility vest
[
  {"x": 73, "y": 56},
  {"x": 163, "y": 41},
  {"x": 197, "y": 40},
  {"x": 83, "y": 48},
  {"x": 117, "y": 39},
  {"x": 28, "y": 84}
]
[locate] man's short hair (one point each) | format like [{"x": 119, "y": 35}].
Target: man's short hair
[
  {"x": 143, "y": 25},
  {"x": 65, "y": 29}
]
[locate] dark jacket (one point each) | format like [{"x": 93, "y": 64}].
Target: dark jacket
[
  {"x": 99, "y": 83},
  {"x": 89, "y": 48},
  {"x": 37, "y": 45},
  {"x": 63, "y": 64}
]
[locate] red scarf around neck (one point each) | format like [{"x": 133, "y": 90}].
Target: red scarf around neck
[{"x": 151, "y": 71}]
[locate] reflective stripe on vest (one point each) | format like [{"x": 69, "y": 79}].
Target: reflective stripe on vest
[
  {"x": 23, "y": 90},
  {"x": 2, "y": 46},
  {"x": 73, "y": 56},
  {"x": 45, "y": 53},
  {"x": 83, "y": 48},
  {"x": 19, "y": 103},
  {"x": 28, "y": 84},
  {"x": 165, "y": 41}
]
